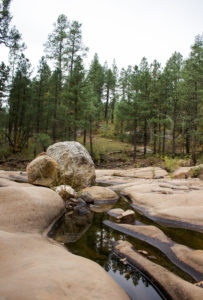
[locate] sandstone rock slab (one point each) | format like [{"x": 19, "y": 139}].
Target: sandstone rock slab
[
  {"x": 173, "y": 286},
  {"x": 173, "y": 202},
  {"x": 189, "y": 260},
  {"x": 35, "y": 267},
  {"x": 27, "y": 208}
]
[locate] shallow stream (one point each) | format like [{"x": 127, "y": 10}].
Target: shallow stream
[{"x": 87, "y": 236}]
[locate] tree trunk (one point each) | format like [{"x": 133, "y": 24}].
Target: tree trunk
[
  {"x": 164, "y": 140},
  {"x": 54, "y": 114},
  {"x": 194, "y": 139},
  {"x": 107, "y": 105},
  {"x": 187, "y": 141},
  {"x": 135, "y": 140},
  {"x": 145, "y": 137},
  {"x": 174, "y": 128},
  {"x": 84, "y": 137},
  {"x": 38, "y": 117},
  {"x": 159, "y": 137},
  {"x": 91, "y": 142},
  {"x": 155, "y": 137}
]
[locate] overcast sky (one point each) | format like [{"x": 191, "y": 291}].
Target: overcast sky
[{"x": 125, "y": 30}]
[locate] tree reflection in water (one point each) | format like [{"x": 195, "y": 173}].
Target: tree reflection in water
[{"x": 96, "y": 244}]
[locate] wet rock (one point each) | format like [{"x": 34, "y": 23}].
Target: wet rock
[
  {"x": 189, "y": 260},
  {"x": 76, "y": 165},
  {"x": 65, "y": 191},
  {"x": 99, "y": 208},
  {"x": 82, "y": 211},
  {"x": 101, "y": 194},
  {"x": 81, "y": 202},
  {"x": 87, "y": 197},
  {"x": 143, "y": 252},
  {"x": 199, "y": 284},
  {"x": 127, "y": 216},
  {"x": 173, "y": 286},
  {"x": 43, "y": 170}
]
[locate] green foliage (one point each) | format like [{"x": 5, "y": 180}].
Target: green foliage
[
  {"x": 195, "y": 172},
  {"x": 144, "y": 104},
  {"x": 172, "y": 164},
  {"x": 43, "y": 140}
]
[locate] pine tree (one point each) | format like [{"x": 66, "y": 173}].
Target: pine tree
[{"x": 20, "y": 107}]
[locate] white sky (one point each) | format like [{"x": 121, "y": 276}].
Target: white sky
[{"x": 125, "y": 30}]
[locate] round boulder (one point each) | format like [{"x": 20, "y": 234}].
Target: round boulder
[
  {"x": 101, "y": 195},
  {"x": 76, "y": 165},
  {"x": 43, "y": 170}
]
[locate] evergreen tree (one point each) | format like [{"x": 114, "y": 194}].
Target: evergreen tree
[
  {"x": 20, "y": 107},
  {"x": 193, "y": 79}
]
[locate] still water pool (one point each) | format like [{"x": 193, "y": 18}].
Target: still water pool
[{"x": 93, "y": 240}]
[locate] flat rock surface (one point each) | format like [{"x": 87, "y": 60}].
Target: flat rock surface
[
  {"x": 14, "y": 175},
  {"x": 172, "y": 202},
  {"x": 175, "y": 287},
  {"x": 189, "y": 260},
  {"x": 147, "y": 173},
  {"x": 33, "y": 266}
]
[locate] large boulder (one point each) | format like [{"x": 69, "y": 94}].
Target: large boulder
[
  {"x": 76, "y": 165},
  {"x": 43, "y": 170}
]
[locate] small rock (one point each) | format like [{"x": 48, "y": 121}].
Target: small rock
[
  {"x": 82, "y": 211},
  {"x": 127, "y": 216},
  {"x": 81, "y": 202},
  {"x": 101, "y": 195},
  {"x": 65, "y": 191},
  {"x": 143, "y": 252},
  {"x": 87, "y": 197},
  {"x": 151, "y": 257},
  {"x": 199, "y": 284},
  {"x": 123, "y": 259}
]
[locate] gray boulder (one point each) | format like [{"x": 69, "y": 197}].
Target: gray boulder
[{"x": 76, "y": 165}]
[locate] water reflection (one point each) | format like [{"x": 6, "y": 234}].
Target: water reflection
[{"x": 95, "y": 243}]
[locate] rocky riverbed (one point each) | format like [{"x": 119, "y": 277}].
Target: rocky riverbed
[{"x": 34, "y": 266}]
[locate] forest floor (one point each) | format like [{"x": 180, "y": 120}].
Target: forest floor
[{"x": 108, "y": 154}]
